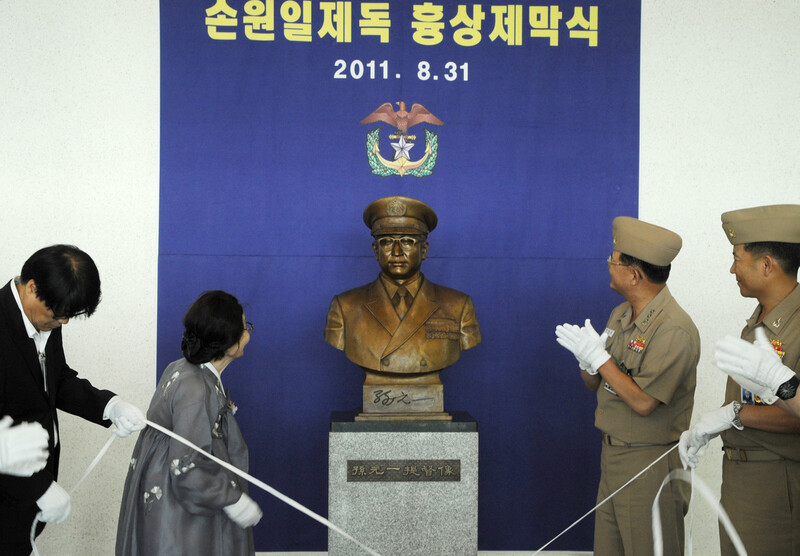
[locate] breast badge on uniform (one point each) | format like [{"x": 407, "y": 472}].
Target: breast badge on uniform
[
  {"x": 748, "y": 398},
  {"x": 637, "y": 344},
  {"x": 442, "y": 329},
  {"x": 778, "y": 346},
  {"x": 608, "y": 388}
]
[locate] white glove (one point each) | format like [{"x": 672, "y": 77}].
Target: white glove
[
  {"x": 694, "y": 442},
  {"x": 23, "y": 449},
  {"x": 574, "y": 329},
  {"x": 757, "y": 363},
  {"x": 54, "y": 503},
  {"x": 125, "y": 416},
  {"x": 689, "y": 450},
  {"x": 585, "y": 343},
  {"x": 244, "y": 512}
]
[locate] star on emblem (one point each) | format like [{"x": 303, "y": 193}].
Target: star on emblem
[{"x": 402, "y": 148}]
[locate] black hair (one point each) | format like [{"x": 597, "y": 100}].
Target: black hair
[
  {"x": 787, "y": 255},
  {"x": 211, "y": 326},
  {"x": 654, "y": 273},
  {"x": 67, "y": 280}
]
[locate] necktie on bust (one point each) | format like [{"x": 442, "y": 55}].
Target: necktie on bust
[{"x": 402, "y": 301}]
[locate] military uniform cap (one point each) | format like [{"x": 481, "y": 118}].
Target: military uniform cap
[
  {"x": 399, "y": 215},
  {"x": 780, "y": 223},
  {"x": 647, "y": 242}
]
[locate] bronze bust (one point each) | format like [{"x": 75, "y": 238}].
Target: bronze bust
[{"x": 402, "y": 329}]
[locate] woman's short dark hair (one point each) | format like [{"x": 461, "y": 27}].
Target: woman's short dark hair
[
  {"x": 66, "y": 278},
  {"x": 211, "y": 326},
  {"x": 654, "y": 273}
]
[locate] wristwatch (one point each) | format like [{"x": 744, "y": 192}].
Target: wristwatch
[
  {"x": 737, "y": 423},
  {"x": 788, "y": 389}
]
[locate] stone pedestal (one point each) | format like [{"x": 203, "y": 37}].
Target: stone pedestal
[{"x": 404, "y": 488}]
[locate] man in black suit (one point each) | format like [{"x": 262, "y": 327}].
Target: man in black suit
[{"x": 56, "y": 284}]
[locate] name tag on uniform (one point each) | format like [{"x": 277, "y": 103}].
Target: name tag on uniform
[
  {"x": 748, "y": 398},
  {"x": 622, "y": 368}
]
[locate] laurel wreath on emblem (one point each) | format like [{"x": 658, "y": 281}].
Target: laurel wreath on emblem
[{"x": 381, "y": 169}]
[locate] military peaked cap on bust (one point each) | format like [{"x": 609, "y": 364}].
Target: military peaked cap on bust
[
  {"x": 399, "y": 215},
  {"x": 779, "y": 223},
  {"x": 647, "y": 242}
]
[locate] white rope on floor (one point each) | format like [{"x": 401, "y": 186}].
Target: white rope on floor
[
  {"x": 705, "y": 491},
  {"x": 249, "y": 478}
]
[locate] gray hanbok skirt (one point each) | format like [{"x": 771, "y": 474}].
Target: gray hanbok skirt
[{"x": 173, "y": 498}]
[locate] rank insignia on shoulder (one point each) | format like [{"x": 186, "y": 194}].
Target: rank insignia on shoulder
[
  {"x": 637, "y": 344},
  {"x": 647, "y": 318}
]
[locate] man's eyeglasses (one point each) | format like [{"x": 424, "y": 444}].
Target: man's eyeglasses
[
  {"x": 248, "y": 326},
  {"x": 610, "y": 262},
  {"x": 407, "y": 243}
]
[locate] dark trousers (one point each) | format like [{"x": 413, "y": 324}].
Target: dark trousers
[{"x": 15, "y": 529}]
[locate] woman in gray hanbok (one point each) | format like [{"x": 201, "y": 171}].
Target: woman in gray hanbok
[{"x": 177, "y": 501}]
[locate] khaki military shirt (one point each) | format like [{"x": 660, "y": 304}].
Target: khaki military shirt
[
  {"x": 782, "y": 326},
  {"x": 660, "y": 351}
]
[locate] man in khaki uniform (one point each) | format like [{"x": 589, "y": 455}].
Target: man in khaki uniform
[
  {"x": 645, "y": 381},
  {"x": 761, "y": 467}
]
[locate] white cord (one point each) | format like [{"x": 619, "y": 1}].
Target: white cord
[
  {"x": 609, "y": 497},
  {"x": 699, "y": 485},
  {"x": 227, "y": 466}
]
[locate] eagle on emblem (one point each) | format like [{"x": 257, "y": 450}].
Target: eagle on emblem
[{"x": 402, "y": 119}]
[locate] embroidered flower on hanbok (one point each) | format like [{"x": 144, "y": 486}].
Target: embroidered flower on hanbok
[
  {"x": 172, "y": 379},
  {"x": 232, "y": 407},
  {"x": 179, "y": 467},
  {"x": 216, "y": 430},
  {"x": 153, "y": 495}
]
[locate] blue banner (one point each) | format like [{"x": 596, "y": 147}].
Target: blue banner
[{"x": 517, "y": 123}]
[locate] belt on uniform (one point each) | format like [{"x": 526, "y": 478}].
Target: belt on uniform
[
  {"x": 735, "y": 454},
  {"x": 611, "y": 441}
]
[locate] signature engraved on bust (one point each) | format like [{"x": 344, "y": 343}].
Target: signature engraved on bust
[{"x": 387, "y": 397}]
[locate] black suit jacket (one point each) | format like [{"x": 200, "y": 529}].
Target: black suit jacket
[{"x": 23, "y": 397}]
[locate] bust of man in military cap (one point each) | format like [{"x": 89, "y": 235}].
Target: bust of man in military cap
[{"x": 402, "y": 329}]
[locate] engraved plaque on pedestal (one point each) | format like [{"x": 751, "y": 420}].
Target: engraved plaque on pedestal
[{"x": 404, "y": 488}]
